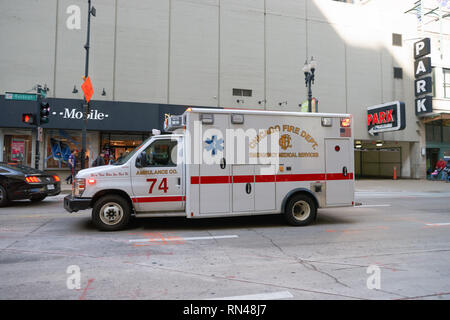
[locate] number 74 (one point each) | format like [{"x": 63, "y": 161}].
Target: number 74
[{"x": 162, "y": 186}]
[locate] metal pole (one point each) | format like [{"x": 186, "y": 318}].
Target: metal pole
[
  {"x": 38, "y": 122},
  {"x": 86, "y": 104},
  {"x": 309, "y": 92}
]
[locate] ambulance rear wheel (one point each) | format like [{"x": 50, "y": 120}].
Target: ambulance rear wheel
[
  {"x": 111, "y": 213},
  {"x": 300, "y": 210}
]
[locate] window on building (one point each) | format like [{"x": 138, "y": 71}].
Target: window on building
[
  {"x": 433, "y": 81},
  {"x": 397, "y": 40},
  {"x": 60, "y": 144},
  {"x": 17, "y": 149},
  {"x": 242, "y": 92},
  {"x": 398, "y": 73},
  {"x": 446, "y": 83},
  {"x": 446, "y": 133},
  {"x": 116, "y": 145},
  {"x": 433, "y": 132}
]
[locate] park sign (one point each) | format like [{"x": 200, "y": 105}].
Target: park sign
[
  {"x": 386, "y": 117},
  {"x": 423, "y": 85}
]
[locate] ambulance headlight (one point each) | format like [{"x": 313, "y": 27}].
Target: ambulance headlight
[{"x": 79, "y": 186}]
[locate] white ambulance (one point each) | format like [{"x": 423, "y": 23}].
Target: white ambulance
[{"x": 226, "y": 162}]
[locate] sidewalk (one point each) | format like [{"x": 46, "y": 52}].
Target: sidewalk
[
  {"x": 386, "y": 185},
  {"x": 389, "y": 185}
]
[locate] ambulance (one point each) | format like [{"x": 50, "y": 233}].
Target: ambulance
[{"x": 224, "y": 163}]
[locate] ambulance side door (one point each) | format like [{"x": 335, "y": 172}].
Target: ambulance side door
[{"x": 157, "y": 177}]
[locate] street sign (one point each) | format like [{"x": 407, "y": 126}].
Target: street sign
[
  {"x": 40, "y": 134},
  {"x": 386, "y": 117},
  {"x": 20, "y": 96},
  {"x": 87, "y": 89}
]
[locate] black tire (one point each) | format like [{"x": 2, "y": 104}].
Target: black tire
[
  {"x": 111, "y": 213},
  {"x": 301, "y": 210},
  {"x": 3, "y": 197},
  {"x": 38, "y": 198}
]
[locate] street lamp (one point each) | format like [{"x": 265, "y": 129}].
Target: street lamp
[
  {"x": 93, "y": 12},
  {"x": 308, "y": 69}
]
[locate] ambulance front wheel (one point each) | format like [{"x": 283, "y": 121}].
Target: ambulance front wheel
[
  {"x": 111, "y": 213},
  {"x": 300, "y": 210}
]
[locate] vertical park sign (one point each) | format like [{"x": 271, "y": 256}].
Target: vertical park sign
[{"x": 423, "y": 85}]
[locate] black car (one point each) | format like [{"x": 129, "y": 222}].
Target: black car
[{"x": 19, "y": 182}]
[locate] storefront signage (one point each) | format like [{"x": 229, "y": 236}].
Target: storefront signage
[
  {"x": 386, "y": 117},
  {"x": 423, "y": 86},
  {"x": 72, "y": 113},
  {"x": 103, "y": 115}
]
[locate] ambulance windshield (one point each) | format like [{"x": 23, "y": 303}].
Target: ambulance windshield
[{"x": 123, "y": 159}]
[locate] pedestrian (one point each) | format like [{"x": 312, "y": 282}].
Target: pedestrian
[
  {"x": 440, "y": 165},
  {"x": 100, "y": 161},
  {"x": 446, "y": 172},
  {"x": 72, "y": 163}
]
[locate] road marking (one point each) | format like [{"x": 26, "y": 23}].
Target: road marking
[
  {"x": 184, "y": 239},
  {"x": 260, "y": 296},
  {"x": 372, "y": 205},
  {"x": 438, "y": 224}
]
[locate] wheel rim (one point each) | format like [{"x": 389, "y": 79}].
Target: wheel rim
[
  {"x": 1, "y": 195},
  {"x": 301, "y": 210},
  {"x": 111, "y": 213}
]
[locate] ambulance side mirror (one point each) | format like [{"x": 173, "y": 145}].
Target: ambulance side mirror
[{"x": 140, "y": 160}]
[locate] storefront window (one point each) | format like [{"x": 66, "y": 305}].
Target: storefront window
[
  {"x": 17, "y": 149},
  {"x": 119, "y": 145},
  {"x": 60, "y": 144},
  {"x": 446, "y": 133}
]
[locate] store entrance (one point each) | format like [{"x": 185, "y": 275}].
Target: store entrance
[{"x": 116, "y": 145}]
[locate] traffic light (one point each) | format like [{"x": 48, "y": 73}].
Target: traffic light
[
  {"x": 44, "y": 112},
  {"x": 28, "y": 118}
]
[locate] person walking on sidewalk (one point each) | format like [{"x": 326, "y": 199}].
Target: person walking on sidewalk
[
  {"x": 100, "y": 161},
  {"x": 72, "y": 163},
  {"x": 440, "y": 166},
  {"x": 446, "y": 172}
]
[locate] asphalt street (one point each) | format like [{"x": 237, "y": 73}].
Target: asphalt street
[{"x": 395, "y": 245}]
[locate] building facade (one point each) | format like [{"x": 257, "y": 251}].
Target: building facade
[{"x": 161, "y": 56}]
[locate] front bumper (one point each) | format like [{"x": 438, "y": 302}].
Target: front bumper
[{"x": 74, "y": 204}]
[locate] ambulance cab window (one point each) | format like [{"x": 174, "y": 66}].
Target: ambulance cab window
[{"x": 161, "y": 153}]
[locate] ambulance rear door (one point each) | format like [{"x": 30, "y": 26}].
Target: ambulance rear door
[{"x": 339, "y": 172}]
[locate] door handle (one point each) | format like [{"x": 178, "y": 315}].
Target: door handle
[
  {"x": 178, "y": 182},
  {"x": 223, "y": 163},
  {"x": 344, "y": 171}
]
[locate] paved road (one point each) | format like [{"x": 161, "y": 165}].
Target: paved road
[{"x": 402, "y": 236}]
